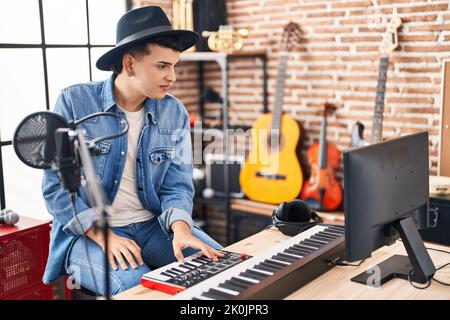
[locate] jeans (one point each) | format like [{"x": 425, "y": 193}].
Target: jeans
[{"x": 156, "y": 251}]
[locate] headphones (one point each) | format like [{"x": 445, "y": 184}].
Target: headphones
[{"x": 294, "y": 217}]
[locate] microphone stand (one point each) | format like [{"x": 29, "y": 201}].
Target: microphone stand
[{"x": 96, "y": 194}]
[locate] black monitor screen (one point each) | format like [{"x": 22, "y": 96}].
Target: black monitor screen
[
  {"x": 386, "y": 195},
  {"x": 383, "y": 182}
]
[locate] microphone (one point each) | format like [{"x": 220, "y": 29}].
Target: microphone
[
  {"x": 35, "y": 142},
  {"x": 45, "y": 140},
  {"x": 66, "y": 161},
  {"x": 8, "y": 217}
]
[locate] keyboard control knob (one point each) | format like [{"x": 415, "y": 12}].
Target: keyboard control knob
[{"x": 243, "y": 256}]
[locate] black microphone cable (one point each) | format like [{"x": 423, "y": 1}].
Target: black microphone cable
[{"x": 85, "y": 240}]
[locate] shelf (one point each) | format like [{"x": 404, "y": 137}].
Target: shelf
[
  {"x": 442, "y": 197},
  {"x": 218, "y": 56},
  {"x": 266, "y": 209},
  {"x": 202, "y": 56},
  {"x": 222, "y": 60}
]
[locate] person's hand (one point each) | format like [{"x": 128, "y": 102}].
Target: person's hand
[
  {"x": 183, "y": 238},
  {"x": 118, "y": 249}
]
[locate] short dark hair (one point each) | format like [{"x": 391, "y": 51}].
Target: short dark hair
[{"x": 173, "y": 42}]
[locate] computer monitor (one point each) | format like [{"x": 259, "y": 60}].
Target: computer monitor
[{"x": 386, "y": 197}]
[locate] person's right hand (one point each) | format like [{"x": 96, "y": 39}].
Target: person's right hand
[{"x": 119, "y": 248}]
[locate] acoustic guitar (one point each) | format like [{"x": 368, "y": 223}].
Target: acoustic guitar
[
  {"x": 390, "y": 44},
  {"x": 272, "y": 171}
]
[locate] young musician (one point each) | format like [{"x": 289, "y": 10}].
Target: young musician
[{"x": 146, "y": 173}]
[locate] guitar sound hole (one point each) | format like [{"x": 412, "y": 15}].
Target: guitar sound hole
[{"x": 275, "y": 141}]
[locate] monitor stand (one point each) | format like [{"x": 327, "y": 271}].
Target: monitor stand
[{"x": 416, "y": 266}]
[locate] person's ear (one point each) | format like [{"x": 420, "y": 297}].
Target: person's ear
[{"x": 127, "y": 62}]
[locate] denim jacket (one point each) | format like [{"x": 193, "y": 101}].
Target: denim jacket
[{"x": 163, "y": 165}]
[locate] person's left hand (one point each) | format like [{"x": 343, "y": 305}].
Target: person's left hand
[{"x": 183, "y": 238}]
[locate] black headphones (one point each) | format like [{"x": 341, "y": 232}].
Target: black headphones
[{"x": 293, "y": 217}]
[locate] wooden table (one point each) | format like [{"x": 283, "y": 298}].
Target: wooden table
[{"x": 334, "y": 284}]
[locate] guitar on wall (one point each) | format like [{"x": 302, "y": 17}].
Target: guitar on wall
[
  {"x": 272, "y": 171},
  {"x": 322, "y": 191},
  {"x": 390, "y": 44}
]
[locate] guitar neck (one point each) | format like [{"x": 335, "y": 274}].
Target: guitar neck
[
  {"x": 377, "y": 128},
  {"x": 279, "y": 93},
  {"x": 323, "y": 143}
]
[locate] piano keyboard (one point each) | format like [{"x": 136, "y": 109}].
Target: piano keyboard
[
  {"x": 278, "y": 272},
  {"x": 176, "y": 277}
]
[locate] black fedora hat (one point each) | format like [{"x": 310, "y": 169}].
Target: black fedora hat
[{"x": 141, "y": 24}]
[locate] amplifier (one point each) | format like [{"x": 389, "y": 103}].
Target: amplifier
[
  {"x": 439, "y": 230},
  {"x": 215, "y": 180},
  {"x": 208, "y": 16}
]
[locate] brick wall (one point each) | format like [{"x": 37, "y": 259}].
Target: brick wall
[{"x": 336, "y": 61}]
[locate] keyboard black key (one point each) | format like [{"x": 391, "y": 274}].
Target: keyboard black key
[
  {"x": 336, "y": 229},
  {"x": 274, "y": 264},
  {"x": 308, "y": 242},
  {"x": 319, "y": 243},
  {"x": 185, "y": 267},
  {"x": 307, "y": 246},
  {"x": 241, "y": 282},
  {"x": 166, "y": 274},
  {"x": 204, "y": 258},
  {"x": 321, "y": 238},
  {"x": 287, "y": 257},
  {"x": 173, "y": 274},
  {"x": 190, "y": 265},
  {"x": 306, "y": 250},
  {"x": 297, "y": 254},
  {"x": 326, "y": 235},
  {"x": 216, "y": 294},
  {"x": 253, "y": 274},
  {"x": 263, "y": 267},
  {"x": 301, "y": 246},
  {"x": 296, "y": 251},
  {"x": 332, "y": 233},
  {"x": 177, "y": 270},
  {"x": 268, "y": 264},
  {"x": 231, "y": 286},
  {"x": 281, "y": 258}
]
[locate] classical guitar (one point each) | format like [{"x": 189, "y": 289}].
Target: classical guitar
[
  {"x": 272, "y": 171},
  {"x": 322, "y": 191},
  {"x": 390, "y": 44}
]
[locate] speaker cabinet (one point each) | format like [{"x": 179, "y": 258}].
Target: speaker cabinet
[
  {"x": 215, "y": 178},
  {"x": 208, "y": 16}
]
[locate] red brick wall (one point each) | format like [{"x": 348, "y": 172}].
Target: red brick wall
[{"x": 336, "y": 61}]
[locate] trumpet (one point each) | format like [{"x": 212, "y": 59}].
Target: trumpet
[{"x": 226, "y": 40}]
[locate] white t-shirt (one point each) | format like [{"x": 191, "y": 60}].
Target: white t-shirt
[{"x": 126, "y": 207}]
